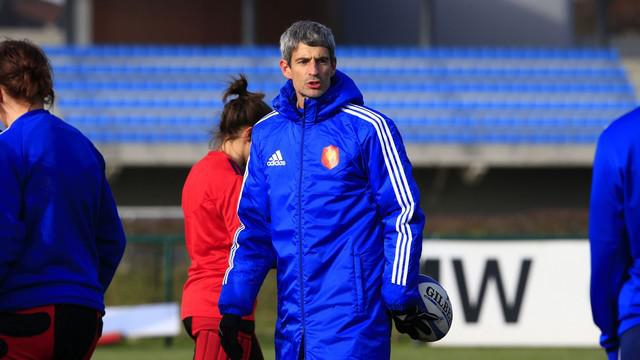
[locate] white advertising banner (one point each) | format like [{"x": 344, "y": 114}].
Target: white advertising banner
[
  {"x": 514, "y": 293},
  {"x": 145, "y": 320}
]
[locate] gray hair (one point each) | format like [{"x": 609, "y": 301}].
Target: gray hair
[{"x": 309, "y": 33}]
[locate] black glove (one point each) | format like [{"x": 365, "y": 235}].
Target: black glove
[
  {"x": 411, "y": 320},
  {"x": 228, "y": 330}
]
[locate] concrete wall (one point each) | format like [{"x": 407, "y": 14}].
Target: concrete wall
[
  {"x": 379, "y": 22},
  {"x": 502, "y": 22},
  {"x": 198, "y": 21},
  {"x": 503, "y": 201},
  {"x": 166, "y": 21},
  {"x": 442, "y": 189},
  {"x": 218, "y": 22}
]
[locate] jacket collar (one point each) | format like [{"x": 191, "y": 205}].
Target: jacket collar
[{"x": 341, "y": 92}]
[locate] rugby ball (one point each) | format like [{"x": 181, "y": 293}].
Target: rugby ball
[{"x": 435, "y": 311}]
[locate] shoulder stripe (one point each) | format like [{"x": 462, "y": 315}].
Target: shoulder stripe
[
  {"x": 5, "y": 130},
  {"x": 232, "y": 253},
  {"x": 266, "y": 117},
  {"x": 400, "y": 187},
  {"x": 396, "y": 172},
  {"x": 236, "y": 244}
]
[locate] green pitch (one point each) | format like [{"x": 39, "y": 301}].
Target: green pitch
[
  {"x": 401, "y": 350},
  {"x": 134, "y": 288}
]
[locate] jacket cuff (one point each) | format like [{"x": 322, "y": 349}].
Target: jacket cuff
[
  {"x": 232, "y": 310},
  {"x": 398, "y": 298}
]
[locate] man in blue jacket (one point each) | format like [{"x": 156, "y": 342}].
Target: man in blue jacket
[
  {"x": 329, "y": 200},
  {"x": 614, "y": 233}
]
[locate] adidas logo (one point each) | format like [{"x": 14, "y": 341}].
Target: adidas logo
[{"x": 276, "y": 159}]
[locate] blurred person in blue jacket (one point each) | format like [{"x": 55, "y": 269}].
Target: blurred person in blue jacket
[
  {"x": 60, "y": 235},
  {"x": 614, "y": 233},
  {"x": 328, "y": 200}
]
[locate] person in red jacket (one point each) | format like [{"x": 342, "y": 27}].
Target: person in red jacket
[{"x": 209, "y": 202}]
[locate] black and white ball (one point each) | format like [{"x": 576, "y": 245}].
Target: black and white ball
[{"x": 435, "y": 309}]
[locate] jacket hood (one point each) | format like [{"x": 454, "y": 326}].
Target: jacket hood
[{"x": 342, "y": 91}]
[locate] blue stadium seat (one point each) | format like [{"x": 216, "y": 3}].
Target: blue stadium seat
[{"x": 171, "y": 94}]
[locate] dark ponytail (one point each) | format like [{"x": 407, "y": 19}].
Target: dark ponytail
[
  {"x": 25, "y": 72},
  {"x": 243, "y": 109}
]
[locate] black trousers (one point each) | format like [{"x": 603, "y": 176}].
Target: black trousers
[
  {"x": 630, "y": 344},
  {"x": 58, "y": 332}
]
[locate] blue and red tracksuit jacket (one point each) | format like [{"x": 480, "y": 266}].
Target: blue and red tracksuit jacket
[
  {"x": 614, "y": 231},
  {"x": 329, "y": 200}
]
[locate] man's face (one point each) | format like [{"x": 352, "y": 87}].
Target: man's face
[{"x": 310, "y": 70}]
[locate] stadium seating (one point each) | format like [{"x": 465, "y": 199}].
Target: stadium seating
[{"x": 457, "y": 96}]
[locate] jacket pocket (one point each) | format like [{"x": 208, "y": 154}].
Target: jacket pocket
[{"x": 357, "y": 268}]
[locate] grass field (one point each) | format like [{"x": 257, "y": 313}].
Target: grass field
[
  {"x": 136, "y": 285},
  {"x": 401, "y": 350}
]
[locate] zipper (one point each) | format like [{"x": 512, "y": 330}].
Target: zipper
[{"x": 300, "y": 237}]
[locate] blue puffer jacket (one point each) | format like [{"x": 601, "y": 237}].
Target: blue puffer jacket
[
  {"x": 329, "y": 199},
  {"x": 614, "y": 231}
]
